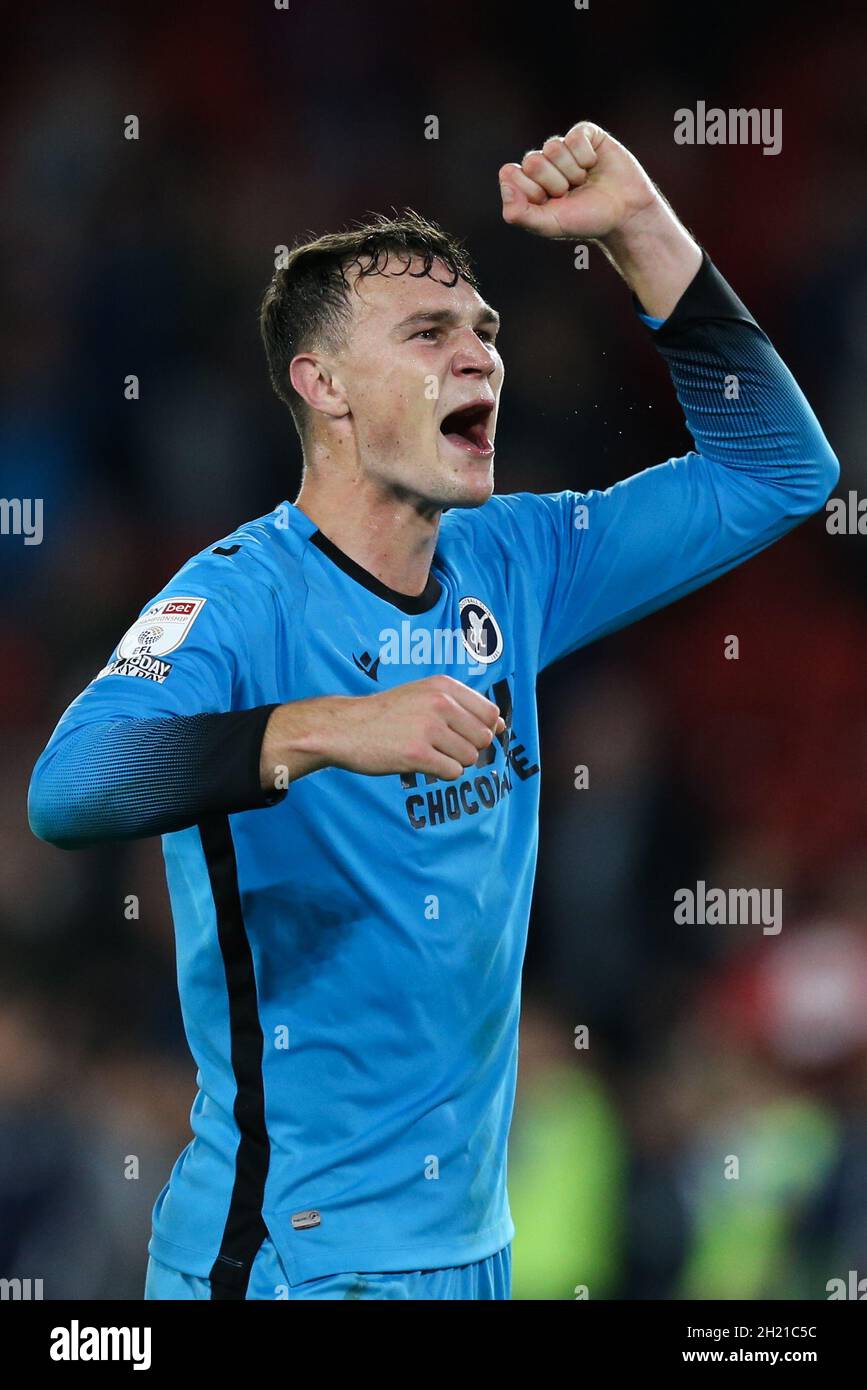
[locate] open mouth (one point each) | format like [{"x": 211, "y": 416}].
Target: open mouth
[{"x": 467, "y": 429}]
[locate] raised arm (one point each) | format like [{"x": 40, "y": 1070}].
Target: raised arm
[{"x": 762, "y": 463}]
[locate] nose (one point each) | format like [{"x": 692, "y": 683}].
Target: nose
[{"x": 472, "y": 358}]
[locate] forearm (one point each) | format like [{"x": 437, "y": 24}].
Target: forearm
[
  {"x": 741, "y": 403},
  {"x": 655, "y": 255},
  {"x": 436, "y": 725},
  {"x": 761, "y": 466},
  {"x": 126, "y": 778},
  {"x": 742, "y": 406}
]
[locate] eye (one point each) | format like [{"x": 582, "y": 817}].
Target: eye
[{"x": 426, "y": 332}]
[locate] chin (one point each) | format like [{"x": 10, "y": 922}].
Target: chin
[
  {"x": 470, "y": 488},
  {"x": 474, "y": 496}
]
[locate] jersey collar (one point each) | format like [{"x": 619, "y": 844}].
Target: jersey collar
[{"x": 407, "y": 603}]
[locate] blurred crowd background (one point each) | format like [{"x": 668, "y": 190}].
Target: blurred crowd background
[{"x": 149, "y": 257}]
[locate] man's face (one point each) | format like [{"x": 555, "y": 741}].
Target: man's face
[{"x": 423, "y": 379}]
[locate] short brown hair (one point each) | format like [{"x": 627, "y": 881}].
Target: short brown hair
[{"x": 306, "y": 305}]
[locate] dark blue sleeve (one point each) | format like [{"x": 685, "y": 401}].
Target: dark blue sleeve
[
  {"x": 126, "y": 778},
  {"x": 603, "y": 559}
]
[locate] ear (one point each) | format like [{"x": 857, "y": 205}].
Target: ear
[{"x": 316, "y": 383}]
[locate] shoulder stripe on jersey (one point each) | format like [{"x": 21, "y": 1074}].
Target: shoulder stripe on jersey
[{"x": 245, "y": 1227}]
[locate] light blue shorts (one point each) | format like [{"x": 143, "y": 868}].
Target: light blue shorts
[{"x": 487, "y": 1279}]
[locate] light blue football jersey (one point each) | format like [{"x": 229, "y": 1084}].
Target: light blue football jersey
[{"x": 349, "y": 955}]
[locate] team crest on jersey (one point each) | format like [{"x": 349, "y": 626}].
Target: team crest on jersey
[
  {"x": 161, "y": 629},
  {"x": 480, "y": 631}
]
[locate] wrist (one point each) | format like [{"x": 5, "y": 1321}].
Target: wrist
[
  {"x": 655, "y": 255},
  {"x": 302, "y": 737},
  {"x": 654, "y": 224}
]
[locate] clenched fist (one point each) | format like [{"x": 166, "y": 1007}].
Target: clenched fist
[
  {"x": 435, "y": 725},
  {"x": 582, "y": 184}
]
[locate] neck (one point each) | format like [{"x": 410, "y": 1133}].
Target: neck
[{"x": 390, "y": 535}]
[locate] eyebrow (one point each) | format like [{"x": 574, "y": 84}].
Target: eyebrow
[{"x": 448, "y": 317}]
